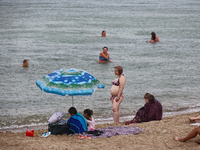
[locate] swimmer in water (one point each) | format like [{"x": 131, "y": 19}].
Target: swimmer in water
[
  {"x": 154, "y": 38},
  {"x": 25, "y": 63},
  {"x": 104, "y": 56},
  {"x": 103, "y": 33}
]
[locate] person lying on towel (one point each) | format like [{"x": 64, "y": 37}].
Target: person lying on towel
[
  {"x": 76, "y": 123},
  {"x": 152, "y": 110}
]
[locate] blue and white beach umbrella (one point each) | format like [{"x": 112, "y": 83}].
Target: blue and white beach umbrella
[{"x": 72, "y": 82}]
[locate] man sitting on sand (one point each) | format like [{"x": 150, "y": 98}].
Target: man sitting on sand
[
  {"x": 104, "y": 56},
  {"x": 76, "y": 123},
  {"x": 152, "y": 110}
]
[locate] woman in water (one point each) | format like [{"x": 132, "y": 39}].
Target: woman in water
[
  {"x": 103, "y": 33},
  {"x": 116, "y": 92},
  {"x": 154, "y": 38},
  {"x": 104, "y": 56}
]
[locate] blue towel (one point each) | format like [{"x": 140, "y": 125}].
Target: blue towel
[
  {"x": 77, "y": 124},
  {"x": 102, "y": 58}
]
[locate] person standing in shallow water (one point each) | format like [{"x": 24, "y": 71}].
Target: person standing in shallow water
[{"x": 116, "y": 92}]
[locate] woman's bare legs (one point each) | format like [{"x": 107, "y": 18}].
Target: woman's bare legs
[
  {"x": 115, "y": 108},
  {"x": 191, "y": 135},
  {"x": 195, "y": 119}
]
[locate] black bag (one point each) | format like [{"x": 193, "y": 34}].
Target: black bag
[
  {"x": 95, "y": 132},
  {"x": 58, "y": 128}
]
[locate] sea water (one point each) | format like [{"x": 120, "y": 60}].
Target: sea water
[{"x": 66, "y": 34}]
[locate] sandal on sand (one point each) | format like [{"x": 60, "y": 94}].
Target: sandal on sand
[
  {"x": 127, "y": 123},
  {"x": 198, "y": 141},
  {"x": 46, "y": 134},
  {"x": 87, "y": 137},
  {"x": 80, "y": 137}
]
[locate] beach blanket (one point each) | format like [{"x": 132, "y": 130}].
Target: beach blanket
[{"x": 112, "y": 131}]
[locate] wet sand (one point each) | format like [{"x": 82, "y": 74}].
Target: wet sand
[{"x": 158, "y": 135}]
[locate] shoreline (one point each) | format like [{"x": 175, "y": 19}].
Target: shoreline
[
  {"x": 44, "y": 126},
  {"x": 123, "y": 119},
  {"x": 155, "y": 135}
]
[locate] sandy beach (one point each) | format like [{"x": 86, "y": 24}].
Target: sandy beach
[{"x": 157, "y": 136}]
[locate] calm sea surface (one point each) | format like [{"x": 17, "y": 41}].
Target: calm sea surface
[{"x": 66, "y": 34}]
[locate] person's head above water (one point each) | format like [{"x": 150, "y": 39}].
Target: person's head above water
[
  {"x": 105, "y": 49},
  {"x": 25, "y": 63},
  {"x": 153, "y": 35},
  {"x": 103, "y": 33}
]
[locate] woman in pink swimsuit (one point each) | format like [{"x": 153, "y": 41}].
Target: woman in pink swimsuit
[
  {"x": 192, "y": 133},
  {"x": 117, "y": 94}
]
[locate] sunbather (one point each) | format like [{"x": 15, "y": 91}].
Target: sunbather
[
  {"x": 191, "y": 135},
  {"x": 194, "y": 119}
]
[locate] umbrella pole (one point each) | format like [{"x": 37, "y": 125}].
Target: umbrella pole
[{"x": 72, "y": 102}]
